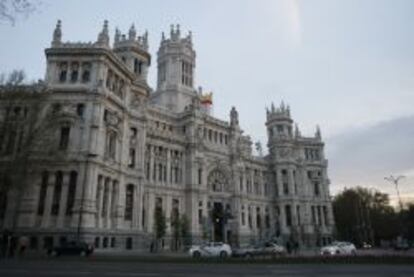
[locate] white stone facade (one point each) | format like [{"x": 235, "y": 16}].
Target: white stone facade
[{"x": 116, "y": 149}]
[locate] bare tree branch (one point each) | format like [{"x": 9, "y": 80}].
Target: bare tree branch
[{"x": 11, "y": 10}]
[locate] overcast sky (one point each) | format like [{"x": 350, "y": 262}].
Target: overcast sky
[{"x": 345, "y": 65}]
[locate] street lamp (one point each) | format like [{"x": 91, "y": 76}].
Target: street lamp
[{"x": 395, "y": 181}]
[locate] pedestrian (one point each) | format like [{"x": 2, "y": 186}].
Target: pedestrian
[
  {"x": 23, "y": 244},
  {"x": 296, "y": 247},
  {"x": 288, "y": 247}
]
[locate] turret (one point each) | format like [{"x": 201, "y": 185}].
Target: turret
[
  {"x": 133, "y": 51},
  {"x": 176, "y": 64},
  {"x": 279, "y": 123}
]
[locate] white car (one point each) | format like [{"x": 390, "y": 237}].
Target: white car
[
  {"x": 339, "y": 248},
  {"x": 211, "y": 249}
]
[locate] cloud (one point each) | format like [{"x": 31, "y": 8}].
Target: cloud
[{"x": 364, "y": 156}]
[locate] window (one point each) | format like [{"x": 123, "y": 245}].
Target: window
[
  {"x": 109, "y": 79},
  {"x": 258, "y": 218},
  {"x": 129, "y": 200},
  {"x": 128, "y": 243},
  {"x": 316, "y": 188},
  {"x": 200, "y": 176},
  {"x": 80, "y": 109},
  {"x": 319, "y": 215},
  {"x": 186, "y": 73},
  {"x": 243, "y": 215},
  {"x": 288, "y": 214},
  {"x": 325, "y": 215},
  {"x": 64, "y": 138},
  {"x": 313, "y": 215},
  {"x": 131, "y": 158},
  {"x": 74, "y": 72},
  {"x": 71, "y": 192},
  {"x": 111, "y": 145},
  {"x": 56, "y": 193},
  {"x": 113, "y": 242},
  {"x": 86, "y": 72},
  {"x": 298, "y": 214},
  {"x": 63, "y": 72},
  {"x": 42, "y": 195},
  {"x": 3, "y": 204}
]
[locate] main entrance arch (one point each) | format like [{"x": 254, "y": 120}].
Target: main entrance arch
[{"x": 219, "y": 188}]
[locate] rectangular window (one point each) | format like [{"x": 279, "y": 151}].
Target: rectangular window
[
  {"x": 64, "y": 138},
  {"x": 129, "y": 200},
  {"x": 200, "y": 176},
  {"x": 316, "y": 188},
  {"x": 288, "y": 214},
  {"x": 131, "y": 163}
]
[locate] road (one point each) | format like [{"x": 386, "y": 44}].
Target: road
[{"x": 64, "y": 267}]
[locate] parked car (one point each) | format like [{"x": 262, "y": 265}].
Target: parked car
[
  {"x": 211, "y": 249},
  {"x": 402, "y": 245},
  {"x": 262, "y": 249},
  {"x": 72, "y": 248},
  {"x": 366, "y": 245},
  {"x": 339, "y": 248}
]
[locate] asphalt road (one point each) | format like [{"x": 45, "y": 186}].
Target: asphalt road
[{"x": 141, "y": 269}]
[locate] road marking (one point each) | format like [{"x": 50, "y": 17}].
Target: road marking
[{"x": 54, "y": 272}]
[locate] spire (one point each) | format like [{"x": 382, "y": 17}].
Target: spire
[
  {"x": 57, "y": 34},
  {"x": 190, "y": 37},
  {"x": 171, "y": 31},
  {"x": 162, "y": 36},
  {"x": 103, "y": 37},
  {"x": 132, "y": 32},
  {"x": 318, "y": 132},
  {"x": 178, "y": 31},
  {"x": 117, "y": 35},
  {"x": 273, "y": 108},
  {"x": 297, "y": 132},
  {"x": 145, "y": 39}
]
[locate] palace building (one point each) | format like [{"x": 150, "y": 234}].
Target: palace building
[{"x": 97, "y": 152}]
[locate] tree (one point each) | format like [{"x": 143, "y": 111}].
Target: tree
[
  {"x": 21, "y": 126},
  {"x": 159, "y": 225},
  {"x": 185, "y": 230},
  {"x": 11, "y": 10},
  {"x": 364, "y": 215}
]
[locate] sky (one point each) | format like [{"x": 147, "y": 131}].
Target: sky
[{"x": 345, "y": 65}]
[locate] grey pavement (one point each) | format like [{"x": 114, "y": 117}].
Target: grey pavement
[{"x": 85, "y": 267}]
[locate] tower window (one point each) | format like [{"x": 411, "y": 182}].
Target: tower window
[
  {"x": 75, "y": 72},
  {"x": 186, "y": 74},
  {"x": 63, "y": 71},
  {"x": 86, "y": 72}
]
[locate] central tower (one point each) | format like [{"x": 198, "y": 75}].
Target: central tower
[{"x": 176, "y": 64}]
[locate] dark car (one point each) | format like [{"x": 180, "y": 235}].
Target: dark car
[{"x": 72, "y": 248}]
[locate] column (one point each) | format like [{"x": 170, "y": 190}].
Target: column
[
  {"x": 138, "y": 205},
  {"x": 279, "y": 182},
  {"x": 150, "y": 212},
  {"x": 168, "y": 166},
  {"x": 151, "y": 163},
  {"x": 48, "y": 201},
  {"x": 291, "y": 182},
  {"x": 109, "y": 205},
  {"x": 167, "y": 210},
  {"x": 63, "y": 200},
  {"x": 99, "y": 202},
  {"x": 114, "y": 202},
  {"x": 135, "y": 209}
]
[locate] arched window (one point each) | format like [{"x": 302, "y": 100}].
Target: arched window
[
  {"x": 217, "y": 181},
  {"x": 71, "y": 192},
  {"x": 129, "y": 200},
  {"x": 42, "y": 194},
  {"x": 56, "y": 193}
]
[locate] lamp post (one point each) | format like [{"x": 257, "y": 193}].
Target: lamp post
[{"x": 395, "y": 181}]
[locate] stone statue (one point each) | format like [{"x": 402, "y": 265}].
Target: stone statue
[{"x": 234, "y": 117}]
